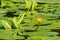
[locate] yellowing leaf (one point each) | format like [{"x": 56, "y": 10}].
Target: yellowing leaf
[
  {"x": 34, "y": 5},
  {"x": 28, "y": 4},
  {"x": 3, "y": 4}
]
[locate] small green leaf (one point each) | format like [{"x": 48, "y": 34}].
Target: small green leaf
[
  {"x": 21, "y": 18},
  {"x": 15, "y": 22},
  {"x": 6, "y": 24}
]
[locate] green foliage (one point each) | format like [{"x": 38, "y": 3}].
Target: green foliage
[{"x": 18, "y": 19}]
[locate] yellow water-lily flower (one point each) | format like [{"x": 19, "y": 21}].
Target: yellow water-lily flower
[{"x": 39, "y": 19}]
